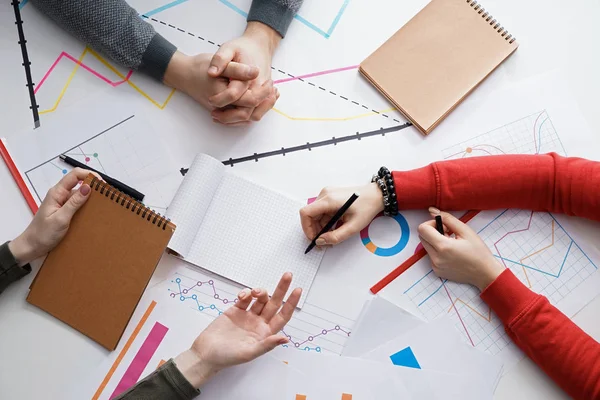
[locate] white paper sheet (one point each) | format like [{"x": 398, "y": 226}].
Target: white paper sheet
[
  {"x": 438, "y": 346},
  {"x": 380, "y": 322},
  {"x": 241, "y": 230}
]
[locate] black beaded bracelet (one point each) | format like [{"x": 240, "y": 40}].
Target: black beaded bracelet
[{"x": 385, "y": 181}]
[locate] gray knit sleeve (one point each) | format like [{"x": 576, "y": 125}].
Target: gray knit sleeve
[
  {"x": 115, "y": 29},
  {"x": 278, "y": 14}
]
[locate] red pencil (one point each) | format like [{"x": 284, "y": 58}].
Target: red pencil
[
  {"x": 17, "y": 177},
  {"x": 389, "y": 278}
]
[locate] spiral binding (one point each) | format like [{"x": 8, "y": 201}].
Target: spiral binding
[
  {"x": 129, "y": 203},
  {"x": 492, "y": 21}
]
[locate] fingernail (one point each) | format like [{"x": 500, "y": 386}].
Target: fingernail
[
  {"x": 213, "y": 70},
  {"x": 242, "y": 295},
  {"x": 252, "y": 71},
  {"x": 321, "y": 242},
  {"x": 283, "y": 341},
  {"x": 85, "y": 190},
  {"x": 434, "y": 211}
]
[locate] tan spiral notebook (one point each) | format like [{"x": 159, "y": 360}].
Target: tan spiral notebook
[
  {"x": 434, "y": 61},
  {"x": 94, "y": 279}
]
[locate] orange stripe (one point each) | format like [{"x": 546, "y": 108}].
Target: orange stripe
[
  {"x": 346, "y": 396},
  {"x": 371, "y": 247},
  {"x": 160, "y": 363},
  {"x": 300, "y": 397},
  {"x": 124, "y": 351}
]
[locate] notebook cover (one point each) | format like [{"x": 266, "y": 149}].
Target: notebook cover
[
  {"x": 94, "y": 278},
  {"x": 434, "y": 61}
]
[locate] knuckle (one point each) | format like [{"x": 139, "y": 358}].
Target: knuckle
[
  {"x": 334, "y": 238},
  {"x": 443, "y": 248},
  {"x": 218, "y": 58},
  {"x": 246, "y": 114}
]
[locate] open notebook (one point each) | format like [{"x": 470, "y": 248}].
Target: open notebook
[{"x": 240, "y": 230}]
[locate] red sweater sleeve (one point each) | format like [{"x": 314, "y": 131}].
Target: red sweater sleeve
[
  {"x": 545, "y": 182},
  {"x": 566, "y": 353},
  {"x": 542, "y": 183}
]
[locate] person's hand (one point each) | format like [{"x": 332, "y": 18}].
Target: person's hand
[
  {"x": 240, "y": 334},
  {"x": 255, "y": 47},
  {"x": 316, "y": 215},
  {"x": 53, "y": 218},
  {"x": 464, "y": 258},
  {"x": 189, "y": 74}
]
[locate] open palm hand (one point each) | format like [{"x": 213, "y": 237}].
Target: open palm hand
[{"x": 242, "y": 334}]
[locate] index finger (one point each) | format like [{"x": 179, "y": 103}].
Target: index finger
[
  {"x": 240, "y": 71},
  {"x": 284, "y": 316},
  {"x": 428, "y": 232},
  {"x": 70, "y": 180},
  {"x": 276, "y": 300},
  {"x": 235, "y": 90},
  {"x": 310, "y": 214}
]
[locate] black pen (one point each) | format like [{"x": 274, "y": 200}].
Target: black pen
[
  {"x": 439, "y": 225},
  {"x": 128, "y": 190},
  {"x": 333, "y": 221}
]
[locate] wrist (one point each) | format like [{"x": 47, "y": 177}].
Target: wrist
[
  {"x": 492, "y": 270},
  {"x": 376, "y": 196},
  {"x": 263, "y": 34},
  {"x": 196, "y": 370},
  {"x": 178, "y": 71},
  {"x": 22, "y": 249}
]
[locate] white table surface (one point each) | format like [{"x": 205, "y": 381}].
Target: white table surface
[{"x": 41, "y": 356}]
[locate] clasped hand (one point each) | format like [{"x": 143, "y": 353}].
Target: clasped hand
[{"x": 235, "y": 83}]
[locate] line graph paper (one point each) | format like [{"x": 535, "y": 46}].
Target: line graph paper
[
  {"x": 533, "y": 134},
  {"x": 312, "y": 329},
  {"x": 130, "y": 155},
  {"x": 533, "y": 245}
]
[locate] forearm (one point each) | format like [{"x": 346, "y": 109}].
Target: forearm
[
  {"x": 166, "y": 382},
  {"x": 567, "y": 354},
  {"x": 115, "y": 29},
  {"x": 278, "y": 14},
  {"x": 11, "y": 269},
  {"x": 546, "y": 182}
]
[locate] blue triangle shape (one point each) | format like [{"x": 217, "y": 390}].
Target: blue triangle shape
[{"x": 405, "y": 358}]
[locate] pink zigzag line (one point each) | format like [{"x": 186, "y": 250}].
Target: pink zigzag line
[
  {"x": 70, "y": 57},
  {"x": 329, "y": 71},
  {"x": 508, "y": 233},
  {"x": 457, "y": 314},
  {"x": 535, "y": 141}
]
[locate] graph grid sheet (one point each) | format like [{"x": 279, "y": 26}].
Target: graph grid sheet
[
  {"x": 314, "y": 328},
  {"x": 251, "y": 235},
  {"x": 533, "y": 245}
]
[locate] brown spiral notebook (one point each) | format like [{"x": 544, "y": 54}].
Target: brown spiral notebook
[
  {"x": 434, "y": 61},
  {"x": 94, "y": 278}
]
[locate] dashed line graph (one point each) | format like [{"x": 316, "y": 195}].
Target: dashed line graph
[{"x": 311, "y": 329}]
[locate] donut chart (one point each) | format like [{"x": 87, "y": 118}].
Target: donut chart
[{"x": 387, "y": 251}]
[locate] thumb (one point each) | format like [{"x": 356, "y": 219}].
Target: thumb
[
  {"x": 270, "y": 343},
  {"x": 75, "y": 202},
  {"x": 453, "y": 224},
  {"x": 220, "y": 60},
  {"x": 337, "y": 235}
]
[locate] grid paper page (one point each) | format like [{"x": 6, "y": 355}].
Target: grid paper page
[
  {"x": 252, "y": 235},
  {"x": 193, "y": 198}
]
